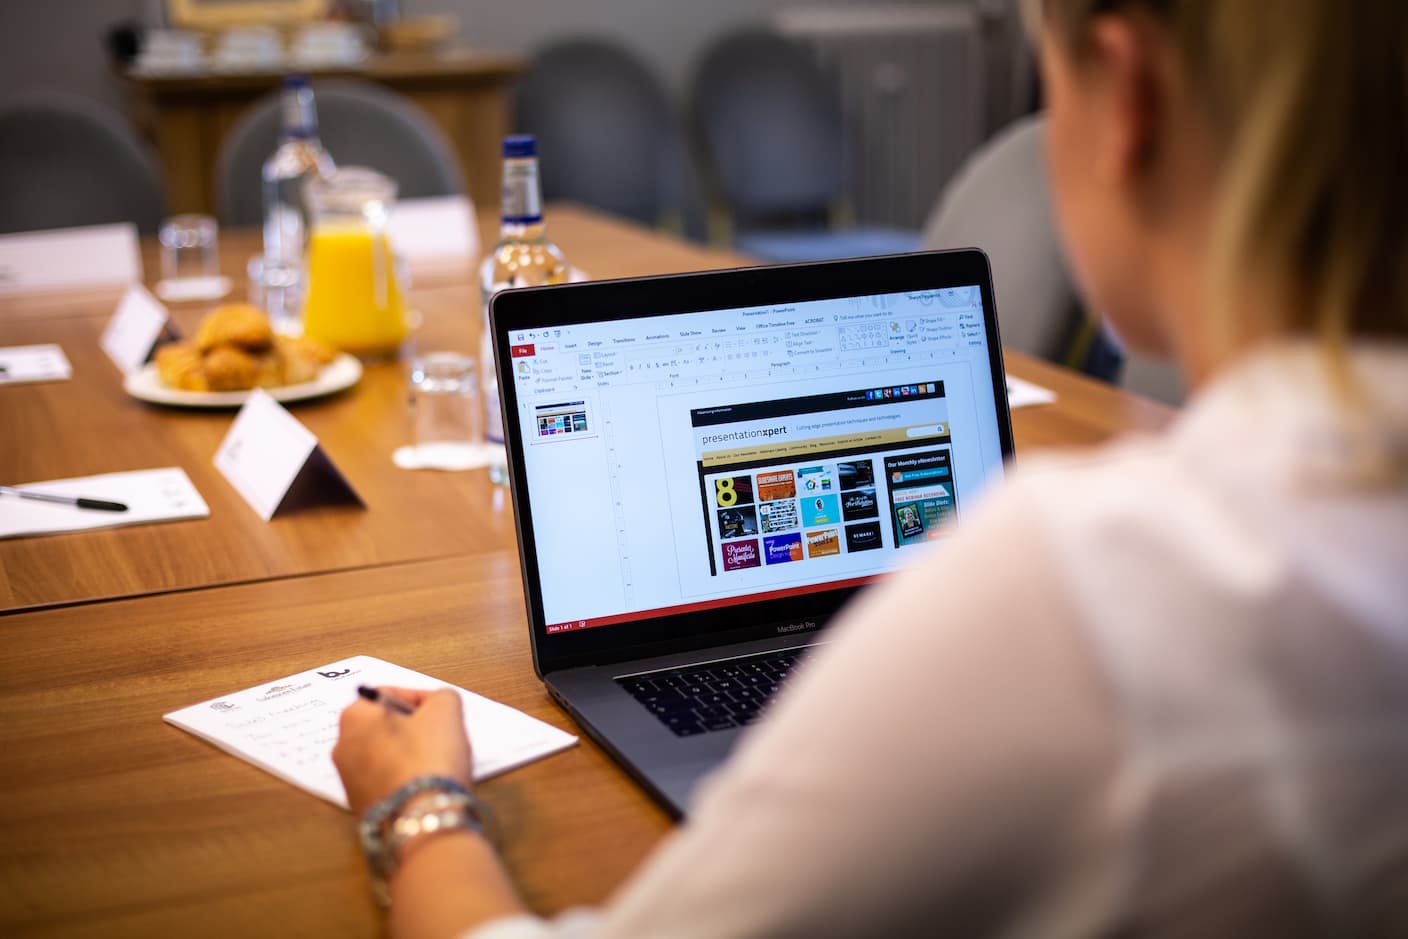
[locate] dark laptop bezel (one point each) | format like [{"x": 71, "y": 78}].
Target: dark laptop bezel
[{"x": 548, "y": 307}]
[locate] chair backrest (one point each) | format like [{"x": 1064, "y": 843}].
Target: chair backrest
[
  {"x": 68, "y": 161},
  {"x": 606, "y": 131},
  {"x": 360, "y": 124},
  {"x": 1159, "y": 379},
  {"x": 770, "y": 122},
  {"x": 998, "y": 201}
]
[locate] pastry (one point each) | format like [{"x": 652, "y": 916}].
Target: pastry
[
  {"x": 179, "y": 365},
  {"x": 235, "y": 350},
  {"x": 301, "y": 358},
  {"x": 235, "y": 324},
  {"x": 228, "y": 368}
]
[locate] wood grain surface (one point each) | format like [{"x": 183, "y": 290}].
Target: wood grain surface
[
  {"x": 90, "y": 425},
  {"x": 118, "y": 824}
]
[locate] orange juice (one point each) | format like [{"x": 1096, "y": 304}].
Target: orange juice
[{"x": 354, "y": 297}]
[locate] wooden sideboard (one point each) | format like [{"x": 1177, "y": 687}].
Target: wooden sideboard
[{"x": 466, "y": 93}]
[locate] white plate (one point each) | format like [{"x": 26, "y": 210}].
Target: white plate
[{"x": 342, "y": 372}]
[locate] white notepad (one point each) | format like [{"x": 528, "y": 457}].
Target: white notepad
[
  {"x": 45, "y": 362},
  {"x": 288, "y": 727},
  {"x": 156, "y": 495}
]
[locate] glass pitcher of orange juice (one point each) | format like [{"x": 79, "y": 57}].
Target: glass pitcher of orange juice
[{"x": 356, "y": 301}]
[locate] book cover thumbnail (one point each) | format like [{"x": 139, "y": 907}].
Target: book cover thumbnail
[
  {"x": 733, "y": 490},
  {"x": 780, "y": 549}
]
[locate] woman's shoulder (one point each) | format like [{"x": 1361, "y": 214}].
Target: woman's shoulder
[
  {"x": 1249, "y": 520},
  {"x": 1271, "y": 453}
]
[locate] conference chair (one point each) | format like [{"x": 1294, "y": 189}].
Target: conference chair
[
  {"x": 998, "y": 201},
  {"x": 359, "y": 124},
  {"x": 771, "y": 128},
  {"x": 606, "y": 132},
  {"x": 1154, "y": 378},
  {"x": 67, "y": 161}
]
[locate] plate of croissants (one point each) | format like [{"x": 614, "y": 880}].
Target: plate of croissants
[{"x": 234, "y": 351}]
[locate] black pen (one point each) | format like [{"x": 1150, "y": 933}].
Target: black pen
[
  {"x": 82, "y": 502},
  {"x": 385, "y": 700}
]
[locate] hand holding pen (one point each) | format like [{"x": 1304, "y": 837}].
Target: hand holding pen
[
  {"x": 391, "y": 703},
  {"x": 391, "y": 735}
]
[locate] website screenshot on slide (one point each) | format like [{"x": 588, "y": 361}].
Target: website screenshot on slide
[
  {"x": 795, "y": 479},
  {"x": 698, "y": 460}
]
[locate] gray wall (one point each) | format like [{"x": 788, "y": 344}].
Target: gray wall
[
  {"x": 667, "y": 34},
  {"x": 58, "y": 44}
]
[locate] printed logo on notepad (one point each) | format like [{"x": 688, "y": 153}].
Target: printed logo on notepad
[{"x": 278, "y": 691}]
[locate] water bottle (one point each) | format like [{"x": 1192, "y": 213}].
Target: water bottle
[
  {"x": 299, "y": 157},
  {"x": 523, "y": 257}
]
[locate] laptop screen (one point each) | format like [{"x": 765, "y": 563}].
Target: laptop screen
[{"x": 686, "y": 462}]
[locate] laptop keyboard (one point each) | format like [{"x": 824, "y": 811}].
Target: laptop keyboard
[{"x": 695, "y": 699}]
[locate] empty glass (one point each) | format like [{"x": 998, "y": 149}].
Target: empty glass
[
  {"x": 189, "y": 247},
  {"x": 277, "y": 287},
  {"x": 447, "y": 418},
  {"x": 190, "y": 259}
]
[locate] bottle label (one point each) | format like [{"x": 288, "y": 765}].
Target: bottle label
[
  {"x": 299, "y": 118},
  {"x": 283, "y": 232},
  {"x": 522, "y": 199}
]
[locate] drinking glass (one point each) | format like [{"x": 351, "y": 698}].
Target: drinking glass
[
  {"x": 189, "y": 247},
  {"x": 277, "y": 287},
  {"x": 190, "y": 259},
  {"x": 447, "y": 415}
]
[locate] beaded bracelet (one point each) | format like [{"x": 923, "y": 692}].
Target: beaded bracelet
[{"x": 454, "y": 808}]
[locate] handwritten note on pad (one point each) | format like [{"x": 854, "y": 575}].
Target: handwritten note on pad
[{"x": 288, "y": 727}]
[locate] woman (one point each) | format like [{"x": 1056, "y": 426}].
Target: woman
[{"x": 1167, "y": 690}]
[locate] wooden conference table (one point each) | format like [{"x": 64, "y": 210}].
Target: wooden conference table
[{"x": 113, "y": 823}]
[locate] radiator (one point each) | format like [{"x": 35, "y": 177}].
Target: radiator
[{"x": 912, "y": 82}]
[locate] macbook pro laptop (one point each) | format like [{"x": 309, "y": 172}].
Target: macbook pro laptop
[{"x": 706, "y": 467}]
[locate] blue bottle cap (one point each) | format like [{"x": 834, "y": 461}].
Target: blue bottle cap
[
  {"x": 520, "y": 145},
  {"x": 296, "y": 80}
]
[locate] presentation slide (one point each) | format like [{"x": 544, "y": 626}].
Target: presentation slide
[{"x": 689, "y": 461}]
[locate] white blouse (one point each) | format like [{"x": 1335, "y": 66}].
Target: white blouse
[{"x": 1156, "y": 689}]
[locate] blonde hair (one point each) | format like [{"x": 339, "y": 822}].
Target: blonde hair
[{"x": 1309, "y": 103}]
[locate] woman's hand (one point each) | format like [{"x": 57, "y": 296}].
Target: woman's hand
[{"x": 378, "y": 750}]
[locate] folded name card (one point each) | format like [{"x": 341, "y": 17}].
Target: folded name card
[
  {"x": 140, "y": 321},
  {"x": 1024, "y": 394},
  {"x": 435, "y": 232},
  {"x": 70, "y": 259},
  {"x": 275, "y": 462}
]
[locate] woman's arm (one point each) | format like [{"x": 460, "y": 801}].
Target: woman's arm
[
  {"x": 447, "y": 882},
  {"x": 943, "y": 764}
]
